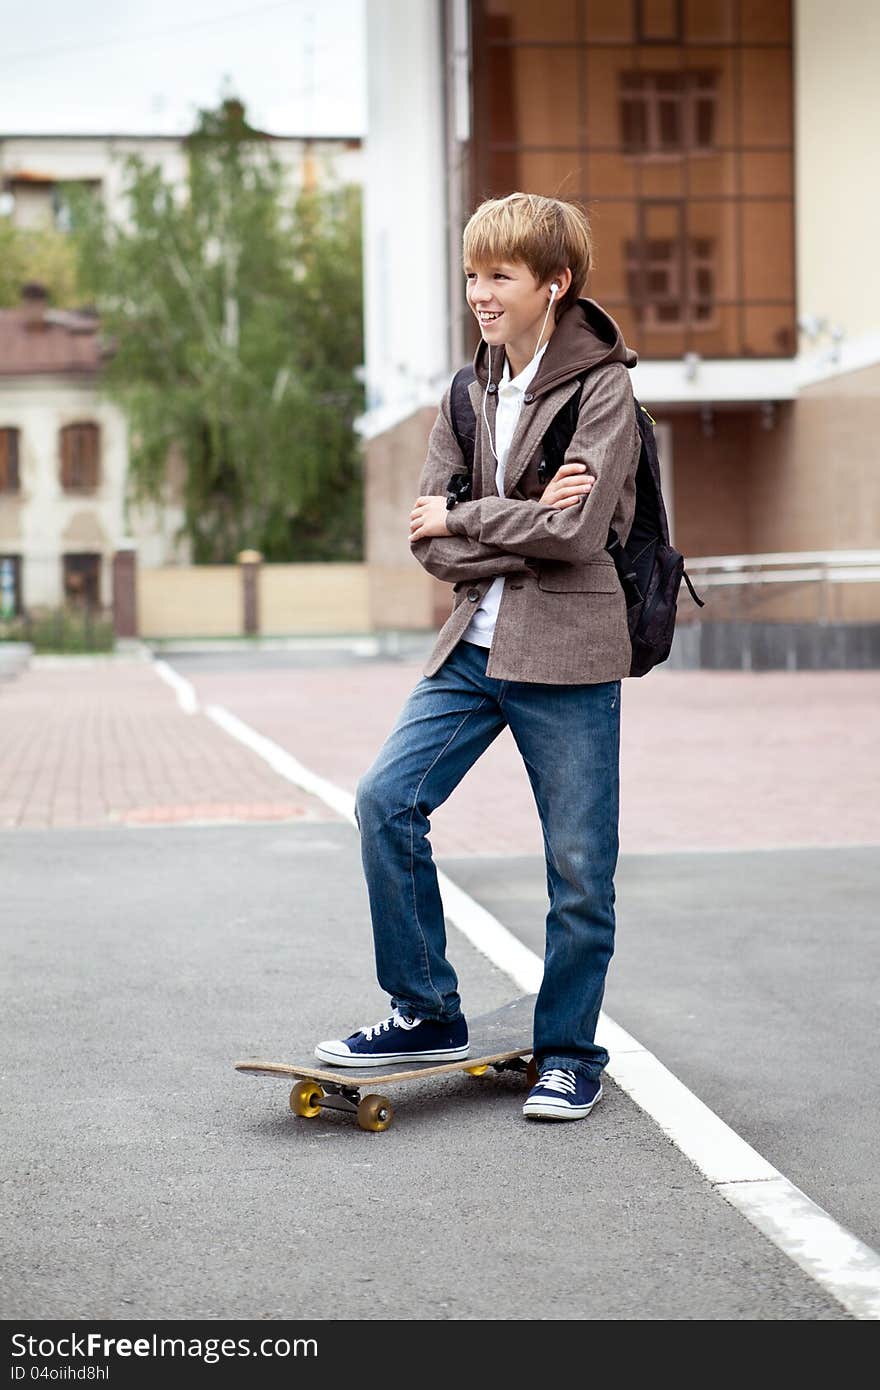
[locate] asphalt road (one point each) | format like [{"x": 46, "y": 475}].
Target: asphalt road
[
  {"x": 144, "y": 1178},
  {"x": 753, "y": 977}
]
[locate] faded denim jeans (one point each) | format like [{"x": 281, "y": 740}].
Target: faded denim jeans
[{"x": 569, "y": 739}]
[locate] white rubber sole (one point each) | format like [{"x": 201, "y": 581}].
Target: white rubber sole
[
  {"x": 547, "y": 1109},
  {"x": 324, "y": 1053}
]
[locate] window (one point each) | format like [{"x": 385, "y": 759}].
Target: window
[
  {"x": 9, "y": 460},
  {"x": 671, "y": 280},
  {"x": 82, "y": 580},
  {"x": 668, "y": 111},
  {"x": 9, "y": 478},
  {"x": 62, "y": 214},
  {"x": 10, "y": 586},
  {"x": 653, "y": 273},
  {"x": 79, "y": 457}
]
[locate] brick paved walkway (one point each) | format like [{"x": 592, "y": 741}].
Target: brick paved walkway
[
  {"x": 106, "y": 742},
  {"x": 710, "y": 760}
]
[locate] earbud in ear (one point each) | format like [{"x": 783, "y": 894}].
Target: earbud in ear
[{"x": 554, "y": 290}]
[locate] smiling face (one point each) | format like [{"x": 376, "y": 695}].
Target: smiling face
[{"x": 509, "y": 304}]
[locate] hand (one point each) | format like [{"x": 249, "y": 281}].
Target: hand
[
  {"x": 428, "y": 518},
  {"x": 567, "y": 486}
]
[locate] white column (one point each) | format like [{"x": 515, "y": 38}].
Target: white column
[{"x": 405, "y": 238}]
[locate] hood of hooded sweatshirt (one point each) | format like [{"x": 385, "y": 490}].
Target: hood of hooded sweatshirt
[{"x": 584, "y": 337}]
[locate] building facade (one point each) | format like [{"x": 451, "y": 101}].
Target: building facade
[
  {"x": 721, "y": 148},
  {"x": 35, "y": 168},
  {"x": 63, "y": 467}
]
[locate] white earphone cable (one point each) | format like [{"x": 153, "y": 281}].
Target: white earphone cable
[{"x": 554, "y": 290}]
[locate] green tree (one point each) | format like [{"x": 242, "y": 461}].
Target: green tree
[{"x": 232, "y": 311}]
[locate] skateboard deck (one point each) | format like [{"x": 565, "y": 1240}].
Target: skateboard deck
[{"x": 501, "y": 1040}]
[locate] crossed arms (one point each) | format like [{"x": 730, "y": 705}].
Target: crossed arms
[{"x": 498, "y": 535}]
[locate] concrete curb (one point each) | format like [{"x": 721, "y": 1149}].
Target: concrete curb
[{"x": 14, "y": 658}]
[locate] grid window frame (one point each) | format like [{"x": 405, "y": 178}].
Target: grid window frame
[
  {"x": 655, "y": 99},
  {"x": 80, "y": 446},
  {"x": 677, "y": 277}
]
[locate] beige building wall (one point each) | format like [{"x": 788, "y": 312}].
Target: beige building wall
[
  {"x": 818, "y": 488},
  {"x": 837, "y": 116},
  {"x": 401, "y": 593}
]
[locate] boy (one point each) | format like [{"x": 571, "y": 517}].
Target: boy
[{"x": 537, "y": 640}]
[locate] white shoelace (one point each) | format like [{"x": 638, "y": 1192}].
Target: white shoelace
[
  {"x": 395, "y": 1019},
  {"x": 558, "y": 1080}
]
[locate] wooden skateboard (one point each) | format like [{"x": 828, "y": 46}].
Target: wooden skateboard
[{"x": 501, "y": 1040}]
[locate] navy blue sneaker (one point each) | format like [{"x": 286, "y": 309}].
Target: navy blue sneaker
[
  {"x": 398, "y": 1039},
  {"x": 562, "y": 1095}
]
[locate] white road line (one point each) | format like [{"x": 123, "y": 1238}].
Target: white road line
[
  {"x": 837, "y": 1260},
  {"x": 186, "y": 695},
  {"x": 283, "y": 763}
]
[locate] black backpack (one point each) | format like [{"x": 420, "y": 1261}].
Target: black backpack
[{"x": 650, "y": 569}]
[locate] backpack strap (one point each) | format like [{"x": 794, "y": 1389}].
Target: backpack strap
[
  {"x": 626, "y": 571},
  {"x": 559, "y": 434},
  {"x": 557, "y": 438},
  {"x": 694, "y": 595},
  {"x": 464, "y": 424},
  {"x": 464, "y": 421}
]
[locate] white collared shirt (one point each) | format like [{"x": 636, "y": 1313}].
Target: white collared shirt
[{"x": 510, "y": 403}]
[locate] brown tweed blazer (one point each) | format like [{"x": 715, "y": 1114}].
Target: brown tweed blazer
[{"x": 562, "y": 617}]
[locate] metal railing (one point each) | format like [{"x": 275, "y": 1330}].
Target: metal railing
[{"x": 749, "y": 584}]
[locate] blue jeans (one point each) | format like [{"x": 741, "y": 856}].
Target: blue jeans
[{"x": 569, "y": 739}]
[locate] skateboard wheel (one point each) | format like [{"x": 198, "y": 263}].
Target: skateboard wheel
[
  {"x": 477, "y": 1071},
  {"x": 375, "y": 1113},
  {"x": 305, "y": 1099},
  {"x": 532, "y": 1073}
]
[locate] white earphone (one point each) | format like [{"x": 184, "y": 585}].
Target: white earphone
[{"x": 554, "y": 290}]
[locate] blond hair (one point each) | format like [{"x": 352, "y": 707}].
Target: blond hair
[{"x": 546, "y": 234}]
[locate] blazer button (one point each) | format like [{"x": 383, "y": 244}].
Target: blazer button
[
  {"x": 529, "y": 397},
  {"x": 473, "y": 595}
]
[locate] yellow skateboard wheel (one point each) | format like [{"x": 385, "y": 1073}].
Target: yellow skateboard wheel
[
  {"x": 477, "y": 1071},
  {"x": 375, "y": 1113},
  {"x": 305, "y": 1099}
]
